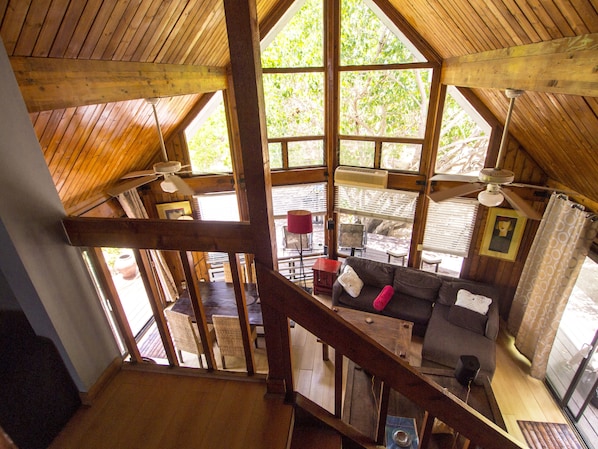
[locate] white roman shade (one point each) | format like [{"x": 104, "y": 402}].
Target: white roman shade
[
  {"x": 449, "y": 226},
  {"x": 376, "y": 203},
  {"x": 311, "y": 197}
]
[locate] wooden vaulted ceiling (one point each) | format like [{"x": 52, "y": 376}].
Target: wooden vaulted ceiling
[{"x": 129, "y": 50}]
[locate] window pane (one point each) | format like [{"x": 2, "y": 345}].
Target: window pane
[
  {"x": 303, "y": 34},
  {"x": 275, "y": 151},
  {"x": 306, "y": 153},
  {"x": 401, "y": 156},
  {"x": 366, "y": 40},
  {"x": 207, "y": 139},
  {"x": 294, "y": 104},
  {"x": 384, "y": 102},
  {"x": 357, "y": 153},
  {"x": 218, "y": 207},
  {"x": 464, "y": 137}
]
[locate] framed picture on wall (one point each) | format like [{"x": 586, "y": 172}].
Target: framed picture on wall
[
  {"x": 502, "y": 235},
  {"x": 172, "y": 211}
]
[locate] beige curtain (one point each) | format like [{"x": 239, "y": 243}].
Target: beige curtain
[
  {"x": 134, "y": 208},
  {"x": 550, "y": 272}
]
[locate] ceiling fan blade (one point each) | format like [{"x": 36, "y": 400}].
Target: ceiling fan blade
[
  {"x": 128, "y": 185},
  {"x": 137, "y": 174},
  {"x": 550, "y": 189},
  {"x": 464, "y": 189},
  {"x": 520, "y": 204},
  {"x": 181, "y": 185},
  {"x": 457, "y": 178}
]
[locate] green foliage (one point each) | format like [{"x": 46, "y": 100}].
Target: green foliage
[
  {"x": 366, "y": 40},
  {"x": 209, "y": 148},
  {"x": 300, "y": 43}
]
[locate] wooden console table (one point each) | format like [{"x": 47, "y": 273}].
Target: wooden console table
[
  {"x": 360, "y": 407},
  {"x": 392, "y": 333}
]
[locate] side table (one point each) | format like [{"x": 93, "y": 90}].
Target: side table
[{"x": 325, "y": 273}]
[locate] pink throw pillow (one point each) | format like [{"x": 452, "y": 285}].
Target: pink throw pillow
[{"x": 383, "y": 297}]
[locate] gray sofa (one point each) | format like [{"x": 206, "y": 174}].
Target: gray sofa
[{"x": 427, "y": 299}]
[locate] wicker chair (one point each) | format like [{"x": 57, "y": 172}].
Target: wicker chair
[
  {"x": 185, "y": 334},
  {"x": 229, "y": 337}
]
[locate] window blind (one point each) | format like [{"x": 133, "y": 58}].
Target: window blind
[
  {"x": 311, "y": 197},
  {"x": 385, "y": 204},
  {"x": 449, "y": 226}
]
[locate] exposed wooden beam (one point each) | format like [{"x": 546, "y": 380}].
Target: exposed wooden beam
[
  {"x": 225, "y": 237},
  {"x": 565, "y": 66},
  {"x": 50, "y": 83}
]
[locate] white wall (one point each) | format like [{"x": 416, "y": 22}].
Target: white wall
[{"x": 46, "y": 276}]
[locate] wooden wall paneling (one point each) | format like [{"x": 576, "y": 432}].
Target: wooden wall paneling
[
  {"x": 40, "y": 120},
  {"x": 124, "y": 26},
  {"x": 504, "y": 17},
  {"x": 12, "y": 23},
  {"x": 81, "y": 29},
  {"x": 50, "y": 27},
  {"x": 30, "y": 30},
  {"x": 134, "y": 29},
  {"x": 54, "y": 149},
  {"x": 101, "y": 29},
  {"x": 523, "y": 20},
  {"x": 158, "y": 30},
  {"x": 60, "y": 41},
  {"x": 468, "y": 21}
]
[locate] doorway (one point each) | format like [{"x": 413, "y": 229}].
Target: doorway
[{"x": 573, "y": 364}]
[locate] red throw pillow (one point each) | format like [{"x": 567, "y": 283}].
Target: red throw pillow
[{"x": 383, "y": 297}]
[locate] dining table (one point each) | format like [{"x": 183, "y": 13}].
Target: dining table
[{"x": 218, "y": 298}]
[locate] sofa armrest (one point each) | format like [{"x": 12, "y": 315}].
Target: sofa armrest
[
  {"x": 337, "y": 290},
  {"x": 493, "y": 322}
]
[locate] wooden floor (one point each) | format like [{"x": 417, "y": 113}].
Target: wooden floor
[
  {"x": 170, "y": 411},
  {"x": 160, "y": 411}
]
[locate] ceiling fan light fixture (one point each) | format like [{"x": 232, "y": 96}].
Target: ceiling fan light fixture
[
  {"x": 491, "y": 197},
  {"x": 168, "y": 186}
]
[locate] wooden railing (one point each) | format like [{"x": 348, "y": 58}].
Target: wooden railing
[{"x": 394, "y": 372}]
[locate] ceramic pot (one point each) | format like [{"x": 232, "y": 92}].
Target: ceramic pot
[{"x": 126, "y": 266}]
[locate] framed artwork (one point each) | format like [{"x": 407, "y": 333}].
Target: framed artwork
[
  {"x": 172, "y": 211},
  {"x": 502, "y": 235}
]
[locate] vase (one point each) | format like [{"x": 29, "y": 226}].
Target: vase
[{"x": 126, "y": 266}]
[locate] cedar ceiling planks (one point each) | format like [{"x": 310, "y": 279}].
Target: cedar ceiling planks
[{"x": 89, "y": 148}]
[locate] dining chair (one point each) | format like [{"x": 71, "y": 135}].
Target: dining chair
[
  {"x": 229, "y": 337},
  {"x": 185, "y": 334}
]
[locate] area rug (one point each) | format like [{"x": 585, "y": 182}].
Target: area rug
[{"x": 545, "y": 435}]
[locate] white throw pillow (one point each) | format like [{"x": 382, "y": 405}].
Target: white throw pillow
[
  {"x": 477, "y": 303},
  {"x": 350, "y": 281}
]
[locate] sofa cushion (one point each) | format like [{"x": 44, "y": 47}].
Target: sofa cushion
[
  {"x": 467, "y": 319},
  {"x": 445, "y": 342},
  {"x": 409, "y": 308},
  {"x": 447, "y": 295},
  {"x": 476, "y": 303},
  {"x": 383, "y": 297},
  {"x": 350, "y": 281},
  {"x": 371, "y": 272},
  {"x": 417, "y": 283},
  {"x": 363, "y": 302}
]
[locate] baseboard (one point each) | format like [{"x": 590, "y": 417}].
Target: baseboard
[{"x": 87, "y": 397}]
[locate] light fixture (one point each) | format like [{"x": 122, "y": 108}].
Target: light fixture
[
  {"x": 491, "y": 196},
  {"x": 299, "y": 222},
  {"x": 168, "y": 186}
]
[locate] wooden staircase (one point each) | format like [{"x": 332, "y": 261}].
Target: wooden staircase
[{"x": 309, "y": 432}]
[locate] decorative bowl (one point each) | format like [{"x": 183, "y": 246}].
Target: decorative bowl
[{"x": 401, "y": 438}]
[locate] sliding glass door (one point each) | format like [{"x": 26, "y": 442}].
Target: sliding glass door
[{"x": 573, "y": 364}]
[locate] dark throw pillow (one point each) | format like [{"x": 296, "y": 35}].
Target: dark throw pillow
[{"x": 467, "y": 319}]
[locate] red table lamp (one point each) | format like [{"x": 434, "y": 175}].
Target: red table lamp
[{"x": 299, "y": 222}]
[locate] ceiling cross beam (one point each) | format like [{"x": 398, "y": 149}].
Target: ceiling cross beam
[
  {"x": 51, "y": 83},
  {"x": 563, "y": 66}
]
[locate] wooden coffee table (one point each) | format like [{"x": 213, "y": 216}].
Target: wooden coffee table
[{"x": 392, "y": 333}]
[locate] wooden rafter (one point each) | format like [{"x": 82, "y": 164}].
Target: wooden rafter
[
  {"x": 566, "y": 66},
  {"x": 51, "y": 83}
]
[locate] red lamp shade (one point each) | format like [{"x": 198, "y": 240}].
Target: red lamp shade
[{"x": 299, "y": 221}]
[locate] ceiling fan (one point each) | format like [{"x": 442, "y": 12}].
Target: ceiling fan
[
  {"x": 491, "y": 182},
  {"x": 166, "y": 169}
]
